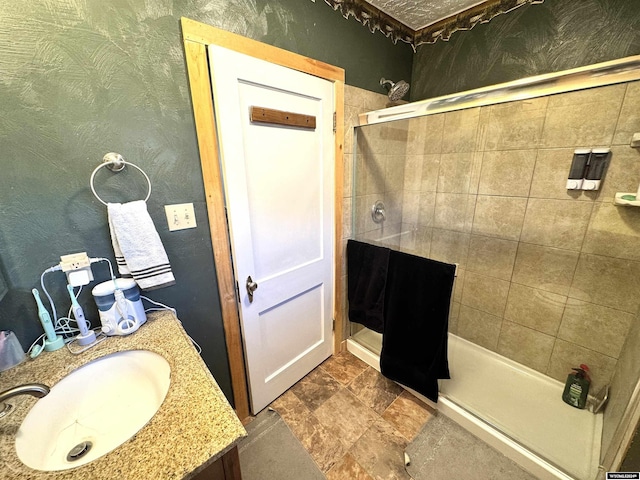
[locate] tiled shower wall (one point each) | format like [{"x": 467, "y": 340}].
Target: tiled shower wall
[
  {"x": 356, "y": 101},
  {"x": 547, "y": 277}
]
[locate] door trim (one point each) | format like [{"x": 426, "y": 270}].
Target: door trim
[{"x": 196, "y": 37}]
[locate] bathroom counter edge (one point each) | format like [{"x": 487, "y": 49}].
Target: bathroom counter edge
[{"x": 194, "y": 427}]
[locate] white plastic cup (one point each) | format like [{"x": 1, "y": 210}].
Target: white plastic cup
[{"x": 11, "y": 352}]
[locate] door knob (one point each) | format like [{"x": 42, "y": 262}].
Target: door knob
[{"x": 251, "y": 287}]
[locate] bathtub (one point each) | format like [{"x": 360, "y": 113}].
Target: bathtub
[{"x": 515, "y": 409}]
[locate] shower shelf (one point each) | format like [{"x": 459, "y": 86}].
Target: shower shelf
[{"x": 620, "y": 200}]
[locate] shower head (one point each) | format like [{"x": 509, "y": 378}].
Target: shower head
[{"x": 397, "y": 90}]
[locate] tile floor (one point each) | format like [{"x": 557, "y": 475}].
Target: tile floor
[{"x": 354, "y": 423}]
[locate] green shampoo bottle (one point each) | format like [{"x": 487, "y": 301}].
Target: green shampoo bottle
[{"x": 577, "y": 387}]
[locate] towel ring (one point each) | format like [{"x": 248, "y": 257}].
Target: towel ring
[{"x": 115, "y": 162}]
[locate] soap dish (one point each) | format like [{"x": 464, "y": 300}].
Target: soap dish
[{"x": 626, "y": 199}]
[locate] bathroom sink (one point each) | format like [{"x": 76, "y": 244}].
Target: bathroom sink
[{"x": 93, "y": 410}]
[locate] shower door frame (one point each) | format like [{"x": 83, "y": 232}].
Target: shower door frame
[
  {"x": 197, "y": 37},
  {"x": 622, "y": 70},
  {"x": 617, "y": 71}
]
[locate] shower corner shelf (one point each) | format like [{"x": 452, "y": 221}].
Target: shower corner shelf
[{"x": 626, "y": 202}]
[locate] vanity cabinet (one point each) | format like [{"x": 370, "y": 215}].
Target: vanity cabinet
[{"x": 226, "y": 467}]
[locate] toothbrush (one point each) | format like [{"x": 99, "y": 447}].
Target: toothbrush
[
  {"x": 53, "y": 341},
  {"x": 86, "y": 336},
  {"x": 78, "y": 313},
  {"x": 45, "y": 318}
]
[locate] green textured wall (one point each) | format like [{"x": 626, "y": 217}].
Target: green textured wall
[
  {"x": 79, "y": 78},
  {"x": 550, "y": 37}
]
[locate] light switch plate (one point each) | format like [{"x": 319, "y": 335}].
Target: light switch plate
[{"x": 180, "y": 216}]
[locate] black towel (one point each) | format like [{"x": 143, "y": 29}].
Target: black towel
[
  {"x": 367, "y": 277},
  {"x": 416, "y": 313}
]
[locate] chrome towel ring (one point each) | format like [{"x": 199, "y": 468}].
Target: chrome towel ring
[{"x": 115, "y": 162}]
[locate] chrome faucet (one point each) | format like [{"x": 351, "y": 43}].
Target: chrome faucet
[{"x": 37, "y": 390}]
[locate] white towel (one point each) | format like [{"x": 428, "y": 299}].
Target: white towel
[{"x": 137, "y": 246}]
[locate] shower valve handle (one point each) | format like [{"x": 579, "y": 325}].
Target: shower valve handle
[{"x": 378, "y": 213}]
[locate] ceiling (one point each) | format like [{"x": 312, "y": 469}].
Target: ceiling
[
  {"x": 417, "y": 22},
  {"x": 418, "y": 14}
]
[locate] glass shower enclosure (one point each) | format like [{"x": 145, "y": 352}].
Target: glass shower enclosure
[{"x": 478, "y": 179}]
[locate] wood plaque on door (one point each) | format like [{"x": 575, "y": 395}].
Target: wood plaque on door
[{"x": 278, "y": 117}]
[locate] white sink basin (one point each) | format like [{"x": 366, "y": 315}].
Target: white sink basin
[{"x": 93, "y": 410}]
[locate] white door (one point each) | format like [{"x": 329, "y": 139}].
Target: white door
[{"x": 279, "y": 188}]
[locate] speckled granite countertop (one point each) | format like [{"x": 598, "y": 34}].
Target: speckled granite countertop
[{"x": 194, "y": 426}]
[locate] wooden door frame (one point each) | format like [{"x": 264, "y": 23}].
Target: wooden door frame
[{"x": 196, "y": 37}]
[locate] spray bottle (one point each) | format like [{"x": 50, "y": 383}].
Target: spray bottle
[{"x": 577, "y": 387}]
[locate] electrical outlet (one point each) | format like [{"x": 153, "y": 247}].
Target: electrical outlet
[
  {"x": 180, "y": 216},
  {"x": 77, "y": 267},
  {"x": 74, "y": 261}
]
